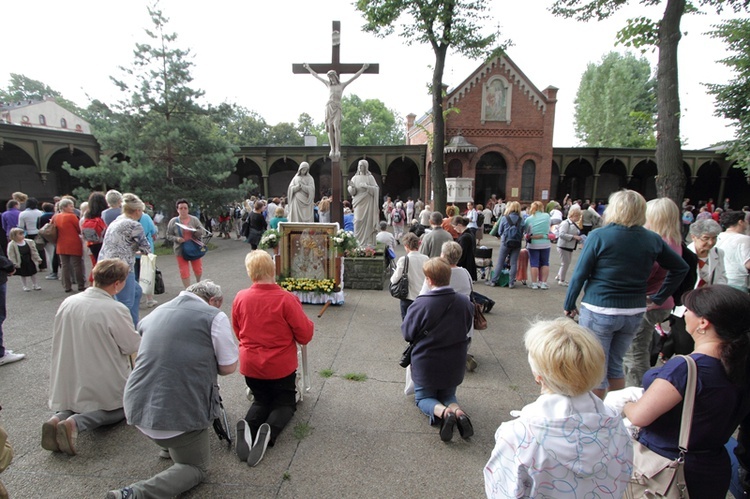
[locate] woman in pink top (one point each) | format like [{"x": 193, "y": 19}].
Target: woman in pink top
[{"x": 662, "y": 217}]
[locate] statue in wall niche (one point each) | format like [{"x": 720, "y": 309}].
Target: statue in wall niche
[
  {"x": 365, "y": 193},
  {"x": 301, "y": 196},
  {"x": 333, "y": 107}
]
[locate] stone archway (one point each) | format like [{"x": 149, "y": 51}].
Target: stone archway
[
  {"x": 59, "y": 179},
  {"x": 320, "y": 170},
  {"x": 247, "y": 169},
  {"x": 643, "y": 179},
  {"x": 612, "y": 178},
  {"x": 735, "y": 188},
  {"x": 19, "y": 173},
  {"x": 280, "y": 175},
  {"x": 402, "y": 180},
  {"x": 578, "y": 181},
  {"x": 491, "y": 177},
  {"x": 707, "y": 183}
]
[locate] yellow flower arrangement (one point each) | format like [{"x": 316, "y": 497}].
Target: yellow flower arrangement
[{"x": 307, "y": 285}]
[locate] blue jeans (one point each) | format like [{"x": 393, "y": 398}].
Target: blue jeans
[
  {"x": 130, "y": 296},
  {"x": 3, "y": 314},
  {"x": 405, "y": 304},
  {"x": 504, "y": 252},
  {"x": 615, "y": 333},
  {"x": 427, "y": 398}
]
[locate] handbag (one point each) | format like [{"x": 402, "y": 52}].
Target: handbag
[
  {"x": 49, "y": 232},
  {"x": 159, "y": 288},
  {"x": 400, "y": 289},
  {"x": 658, "y": 476},
  {"x": 192, "y": 249},
  {"x": 480, "y": 321}
]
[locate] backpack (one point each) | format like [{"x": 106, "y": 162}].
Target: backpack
[
  {"x": 397, "y": 216},
  {"x": 687, "y": 217},
  {"x": 92, "y": 230},
  {"x": 513, "y": 235},
  {"x": 480, "y": 220}
]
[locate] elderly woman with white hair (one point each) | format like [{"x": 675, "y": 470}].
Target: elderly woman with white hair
[
  {"x": 614, "y": 267},
  {"x": 123, "y": 238}
]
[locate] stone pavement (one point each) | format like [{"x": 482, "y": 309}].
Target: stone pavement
[{"x": 364, "y": 438}]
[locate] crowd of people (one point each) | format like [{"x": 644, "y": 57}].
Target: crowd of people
[{"x": 599, "y": 376}]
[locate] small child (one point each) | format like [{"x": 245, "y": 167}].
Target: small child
[{"x": 25, "y": 257}]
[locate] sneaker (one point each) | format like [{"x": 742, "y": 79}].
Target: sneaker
[
  {"x": 490, "y": 283},
  {"x": 563, "y": 283},
  {"x": 511, "y": 285},
  {"x": 534, "y": 285},
  {"x": 26, "y": 289},
  {"x": 244, "y": 440},
  {"x": 543, "y": 285},
  {"x": 52, "y": 277},
  {"x": 126, "y": 493},
  {"x": 37, "y": 287},
  {"x": 164, "y": 454},
  {"x": 260, "y": 445},
  {"x": 151, "y": 303},
  {"x": 11, "y": 357}
]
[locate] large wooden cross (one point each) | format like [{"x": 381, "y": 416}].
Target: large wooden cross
[{"x": 340, "y": 68}]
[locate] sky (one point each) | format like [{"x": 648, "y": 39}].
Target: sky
[{"x": 243, "y": 53}]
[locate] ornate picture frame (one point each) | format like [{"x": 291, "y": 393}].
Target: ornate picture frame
[{"x": 307, "y": 250}]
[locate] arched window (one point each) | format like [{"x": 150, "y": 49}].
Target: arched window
[
  {"x": 79, "y": 128},
  {"x": 528, "y": 175},
  {"x": 63, "y": 123},
  {"x": 42, "y": 120}
]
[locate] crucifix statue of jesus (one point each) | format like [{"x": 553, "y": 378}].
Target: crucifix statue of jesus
[{"x": 333, "y": 107}]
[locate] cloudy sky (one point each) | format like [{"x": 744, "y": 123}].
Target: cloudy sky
[{"x": 243, "y": 53}]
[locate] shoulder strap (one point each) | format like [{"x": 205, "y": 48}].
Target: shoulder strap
[
  {"x": 423, "y": 333},
  {"x": 688, "y": 402}
]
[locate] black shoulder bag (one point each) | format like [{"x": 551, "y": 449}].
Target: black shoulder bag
[{"x": 400, "y": 289}]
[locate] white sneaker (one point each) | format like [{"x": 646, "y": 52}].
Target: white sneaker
[
  {"x": 151, "y": 303},
  {"x": 543, "y": 285},
  {"x": 534, "y": 285},
  {"x": 37, "y": 287},
  {"x": 27, "y": 289},
  {"x": 10, "y": 357},
  {"x": 563, "y": 283}
]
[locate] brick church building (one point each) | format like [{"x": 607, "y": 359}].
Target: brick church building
[{"x": 499, "y": 129}]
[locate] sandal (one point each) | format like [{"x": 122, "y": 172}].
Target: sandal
[
  {"x": 447, "y": 424},
  {"x": 465, "y": 428}
]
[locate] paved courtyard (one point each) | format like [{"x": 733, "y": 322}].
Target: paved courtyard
[{"x": 348, "y": 438}]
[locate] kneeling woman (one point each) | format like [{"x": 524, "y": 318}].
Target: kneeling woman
[
  {"x": 567, "y": 443},
  {"x": 438, "y": 322}
]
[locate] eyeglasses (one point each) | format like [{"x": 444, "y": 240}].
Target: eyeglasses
[{"x": 706, "y": 238}]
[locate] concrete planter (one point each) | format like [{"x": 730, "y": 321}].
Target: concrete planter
[{"x": 363, "y": 273}]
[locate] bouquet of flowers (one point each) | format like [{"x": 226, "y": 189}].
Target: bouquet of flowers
[
  {"x": 270, "y": 239},
  {"x": 307, "y": 285},
  {"x": 361, "y": 252},
  {"x": 344, "y": 241}
]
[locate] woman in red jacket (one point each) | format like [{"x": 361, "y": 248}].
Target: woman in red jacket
[
  {"x": 269, "y": 322},
  {"x": 69, "y": 245}
]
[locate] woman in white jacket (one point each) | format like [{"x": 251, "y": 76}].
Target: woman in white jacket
[
  {"x": 414, "y": 273},
  {"x": 567, "y": 444}
]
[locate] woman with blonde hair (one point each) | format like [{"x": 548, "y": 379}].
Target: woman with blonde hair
[
  {"x": 662, "y": 217},
  {"x": 569, "y": 235},
  {"x": 123, "y": 238},
  {"x": 567, "y": 443},
  {"x": 538, "y": 224},
  {"x": 614, "y": 267},
  {"x": 509, "y": 228}
]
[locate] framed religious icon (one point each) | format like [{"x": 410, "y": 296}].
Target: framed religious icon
[{"x": 307, "y": 250}]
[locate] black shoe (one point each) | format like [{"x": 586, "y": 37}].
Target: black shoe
[
  {"x": 488, "y": 306},
  {"x": 465, "y": 428},
  {"x": 447, "y": 425}
]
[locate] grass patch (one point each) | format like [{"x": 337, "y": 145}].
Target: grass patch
[
  {"x": 286, "y": 476},
  {"x": 355, "y": 376},
  {"x": 326, "y": 373},
  {"x": 302, "y": 430},
  {"x": 513, "y": 387}
]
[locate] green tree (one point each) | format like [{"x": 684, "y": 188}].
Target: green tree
[
  {"x": 369, "y": 123},
  {"x": 161, "y": 143},
  {"x": 307, "y": 126},
  {"x": 733, "y": 98},
  {"x": 23, "y": 88},
  {"x": 444, "y": 24},
  {"x": 284, "y": 134},
  {"x": 616, "y": 103},
  {"x": 665, "y": 35},
  {"x": 241, "y": 126}
]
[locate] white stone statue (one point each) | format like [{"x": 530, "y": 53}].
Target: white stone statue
[
  {"x": 365, "y": 193},
  {"x": 301, "y": 196},
  {"x": 333, "y": 107}
]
